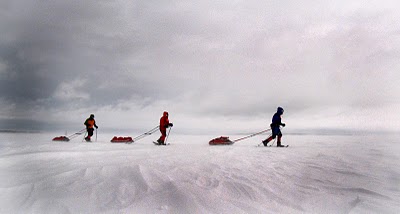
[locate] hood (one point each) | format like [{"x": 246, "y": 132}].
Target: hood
[
  {"x": 165, "y": 114},
  {"x": 280, "y": 110}
]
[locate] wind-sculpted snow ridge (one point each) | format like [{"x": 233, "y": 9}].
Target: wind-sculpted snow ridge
[{"x": 316, "y": 174}]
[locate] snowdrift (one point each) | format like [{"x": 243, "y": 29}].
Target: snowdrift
[{"x": 316, "y": 174}]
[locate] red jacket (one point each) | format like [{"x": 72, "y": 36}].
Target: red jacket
[{"x": 164, "y": 121}]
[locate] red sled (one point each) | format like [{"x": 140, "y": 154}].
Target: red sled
[
  {"x": 221, "y": 141},
  {"x": 61, "y": 138},
  {"x": 121, "y": 140}
]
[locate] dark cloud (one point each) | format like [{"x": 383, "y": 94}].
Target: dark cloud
[{"x": 230, "y": 59}]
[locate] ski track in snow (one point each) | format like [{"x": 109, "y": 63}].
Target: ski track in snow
[{"x": 316, "y": 174}]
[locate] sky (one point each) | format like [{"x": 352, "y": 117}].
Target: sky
[{"x": 213, "y": 65}]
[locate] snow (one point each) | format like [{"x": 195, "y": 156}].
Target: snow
[{"x": 315, "y": 174}]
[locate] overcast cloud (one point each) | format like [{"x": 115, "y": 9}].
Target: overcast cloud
[{"x": 222, "y": 65}]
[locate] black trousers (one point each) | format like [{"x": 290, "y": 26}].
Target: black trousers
[{"x": 90, "y": 131}]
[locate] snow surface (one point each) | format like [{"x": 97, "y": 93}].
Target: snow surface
[{"x": 315, "y": 174}]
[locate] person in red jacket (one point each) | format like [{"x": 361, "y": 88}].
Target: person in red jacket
[
  {"x": 164, "y": 124},
  {"x": 90, "y": 123}
]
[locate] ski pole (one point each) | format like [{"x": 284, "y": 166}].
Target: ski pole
[
  {"x": 278, "y": 136},
  {"x": 273, "y": 143},
  {"x": 84, "y": 136},
  {"x": 165, "y": 142},
  {"x": 96, "y": 134}
]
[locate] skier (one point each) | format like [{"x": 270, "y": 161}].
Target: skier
[
  {"x": 164, "y": 124},
  {"x": 89, "y": 123},
  {"x": 275, "y": 126}
]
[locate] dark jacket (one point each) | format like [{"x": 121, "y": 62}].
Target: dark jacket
[{"x": 276, "y": 119}]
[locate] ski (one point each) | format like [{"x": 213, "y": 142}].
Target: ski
[
  {"x": 157, "y": 144},
  {"x": 285, "y": 146}
]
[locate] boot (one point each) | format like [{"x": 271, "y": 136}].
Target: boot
[
  {"x": 87, "y": 139},
  {"x": 266, "y": 141},
  {"x": 160, "y": 142}
]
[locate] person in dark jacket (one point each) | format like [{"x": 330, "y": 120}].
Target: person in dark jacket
[
  {"x": 90, "y": 123},
  {"x": 275, "y": 127},
  {"x": 164, "y": 124}
]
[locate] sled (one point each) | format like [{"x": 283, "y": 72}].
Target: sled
[
  {"x": 61, "y": 138},
  {"x": 225, "y": 140},
  {"x": 221, "y": 141},
  {"x": 130, "y": 140},
  {"x": 116, "y": 139},
  {"x": 70, "y": 137}
]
